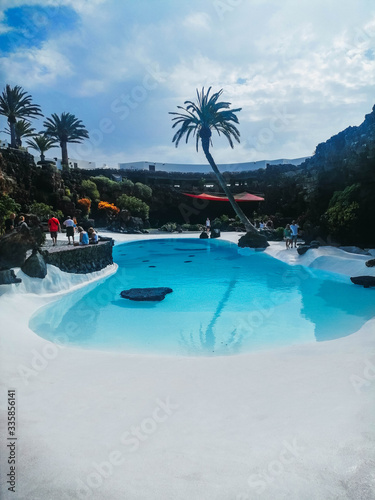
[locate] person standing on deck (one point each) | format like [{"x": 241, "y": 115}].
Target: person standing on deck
[
  {"x": 294, "y": 228},
  {"x": 208, "y": 225},
  {"x": 69, "y": 224},
  {"x": 54, "y": 228}
]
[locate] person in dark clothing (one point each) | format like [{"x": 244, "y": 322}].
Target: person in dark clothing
[{"x": 9, "y": 223}]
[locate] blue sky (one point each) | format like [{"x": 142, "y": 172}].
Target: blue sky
[{"x": 301, "y": 70}]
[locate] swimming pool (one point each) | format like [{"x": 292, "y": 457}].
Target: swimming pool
[{"x": 224, "y": 301}]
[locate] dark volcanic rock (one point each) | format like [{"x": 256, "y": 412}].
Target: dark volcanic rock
[
  {"x": 35, "y": 266},
  {"x": 203, "y": 235},
  {"x": 253, "y": 240},
  {"x": 141, "y": 294},
  {"x": 80, "y": 259},
  {"x": 13, "y": 246},
  {"x": 365, "y": 281},
  {"x": 8, "y": 277},
  {"x": 303, "y": 249},
  {"x": 314, "y": 244},
  {"x": 370, "y": 263}
]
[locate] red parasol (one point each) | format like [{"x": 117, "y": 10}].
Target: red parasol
[{"x": 238, "y": 197}]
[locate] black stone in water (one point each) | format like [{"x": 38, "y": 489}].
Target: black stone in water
[
  {"x": 191, "y": 255},
  {"x": 186, "y": 261},
  {"x": 146, "y": 294},
  {"x": 365, "y": 281},
  {"x": 145, "y": 261},
  {"x": 151, "y": 266}
]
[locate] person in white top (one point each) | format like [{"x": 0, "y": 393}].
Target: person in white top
[
  {"x": 208, "y": 224},
  {"x": 69, "y": 224},
  {"x": 294, "y": 228}
]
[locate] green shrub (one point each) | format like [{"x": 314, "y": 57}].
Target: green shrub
[
  {"x": 7, "y": 207},
  {"x": 127, "y": 186},
  {"x": 136, "y": 207},
  {"x": 192, "y": 227},
  {"x": 169, "y": 227},
  {"x": 342, "y": 216},
  {"x": 90, "y": 190},
  {"x": 41, "y": 210},
  {"x": 142, "y": 191}
]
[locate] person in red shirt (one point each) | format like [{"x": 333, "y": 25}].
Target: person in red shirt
[{"x": 54, "y": 228}]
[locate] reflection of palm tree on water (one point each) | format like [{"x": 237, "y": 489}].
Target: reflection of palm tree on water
[{"x": 207, "y": 341}]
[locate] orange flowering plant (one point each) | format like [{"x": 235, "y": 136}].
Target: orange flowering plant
[
  {"x": 110, "y": 208},
  {"x": 85, "y": 205}
]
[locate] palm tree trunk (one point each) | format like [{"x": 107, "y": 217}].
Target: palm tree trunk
[
  {"x": 12, "y": 128},
  {"x": 245, "y": 221},
  {"x": 64, "y": 154}
]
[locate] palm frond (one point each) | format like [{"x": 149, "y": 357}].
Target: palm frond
[
  {"x": 206, "y": 114},
  {"x": 16, "y": 103}
]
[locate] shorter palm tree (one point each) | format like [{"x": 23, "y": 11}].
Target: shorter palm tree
[
  {"x": 16, "y": 104},
  {"x": 65, "y": 128},
  {"x": 41, "y": 143},
  {"x": 22, "y": 129}
]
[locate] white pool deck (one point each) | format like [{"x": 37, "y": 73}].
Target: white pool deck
[{"x": 295, "y": 423}]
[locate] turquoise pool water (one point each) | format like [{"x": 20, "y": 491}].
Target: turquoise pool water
[{"x": 224, "y": 301}]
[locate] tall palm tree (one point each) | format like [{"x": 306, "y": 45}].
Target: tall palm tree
[
  {"x": 22, "y": 129},
  {"x": 41, "y": 143},
  {"x": 65, "y": 128},
  {"x": 15, "y": 104},
  {"x": 197, "y": 120}
]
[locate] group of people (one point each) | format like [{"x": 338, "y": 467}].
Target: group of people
[
  {"x": 13, "y": 223},
  {"x": 291, "y": 235},
  {"x": 84, "y": 237}
]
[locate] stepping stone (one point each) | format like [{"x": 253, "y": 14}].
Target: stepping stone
[
  {"x": 365, "y": 281},
  {"x": 146, "y": 294}
]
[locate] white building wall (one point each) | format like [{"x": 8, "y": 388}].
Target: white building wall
[{"x": 204, "y": 168}]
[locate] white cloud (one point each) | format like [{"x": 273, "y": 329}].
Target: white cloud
[
  {"x": 35, "y": 67},
  {"x": 198, "y": 20}
]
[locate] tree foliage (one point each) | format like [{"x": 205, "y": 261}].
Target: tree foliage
[
  {"x": 41, "y": 143},
  {"x": 136, "y": 207},
  {"x": 7, "y": 207},
  {"x": 44, "y": 211},
  {"x": 142, "y": 191},
  {"x": 16, "y": 104},
  {"x": 90, "y": 190},
  {"x": 64, "y": 129}
]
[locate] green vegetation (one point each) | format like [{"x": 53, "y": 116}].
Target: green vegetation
[
  {"x": 16, "y": 104},
  {"x": 44, "y": 212},
  {"x": 136, "y": 207},
  {"x": 22, "y": 129},
  {"x": 342, "y": 216},
  {"x": 142, "y": 191},
  {"x": 7, "y": 207},
  {"x": 42, "y": 144},
  {"x": 64, "y": 129},
  {"x": 90, "y": 190}
]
